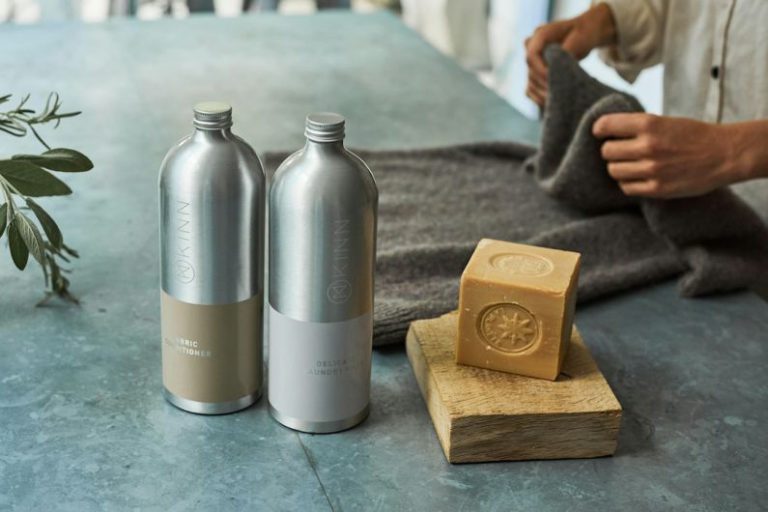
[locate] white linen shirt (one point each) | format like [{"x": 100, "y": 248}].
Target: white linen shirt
[{"x": 715, "y": 54}]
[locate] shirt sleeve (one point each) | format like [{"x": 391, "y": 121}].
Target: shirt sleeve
[{"x": 640, "y": 36}]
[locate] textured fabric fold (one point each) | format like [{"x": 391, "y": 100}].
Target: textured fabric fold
[
  {"x": 722, "y": 240},
  {"x": 436, "y": 204}
]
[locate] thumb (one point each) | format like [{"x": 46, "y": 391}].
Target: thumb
[{"x": 575, "y": 45}]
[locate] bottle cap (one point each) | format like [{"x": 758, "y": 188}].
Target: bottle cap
[
  {"x": 324, "y": 127},
  {"x": 213, "y": 115}
]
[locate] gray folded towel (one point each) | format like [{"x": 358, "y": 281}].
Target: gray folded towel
[
  {"x": 436, "y": 204},
  {"x": 723, "y": 242}
]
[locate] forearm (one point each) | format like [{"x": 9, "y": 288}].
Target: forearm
[
  {"x": 599, "y": 21},
  {"x": 747, "y": 149}
]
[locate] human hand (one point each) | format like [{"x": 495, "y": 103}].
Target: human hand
[
  {"x": 667, "y": 157},
  {"x": 578, "y": 36}
]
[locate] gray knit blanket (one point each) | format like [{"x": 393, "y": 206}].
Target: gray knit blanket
[{"x": 436, "y": 204}]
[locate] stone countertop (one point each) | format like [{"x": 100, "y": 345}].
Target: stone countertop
[{"x": 83, "y": 425}]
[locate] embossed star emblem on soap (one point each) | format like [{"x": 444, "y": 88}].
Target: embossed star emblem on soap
[
  {"x": 515, "y": 329},
  {"x": 508, "y": 327}
]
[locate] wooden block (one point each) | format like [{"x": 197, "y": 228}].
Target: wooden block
[{"x": 484, "y": 415}]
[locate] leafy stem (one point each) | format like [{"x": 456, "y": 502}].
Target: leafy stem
[
  {"x": 31, "y": 230},
  {"x": 8, "y": 199},
  {"x": 17, "y": 121}
]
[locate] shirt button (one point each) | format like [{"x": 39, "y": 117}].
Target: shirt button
[{"x": 715, "y": 72}]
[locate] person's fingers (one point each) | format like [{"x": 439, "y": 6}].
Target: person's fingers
[
  {"x": 624, "y": 149},
  {"x": 631, "y": 170},
  {"x": 536, "y": 94},
  {"x": 641, "y": 188},
  {"x": 622, "y": 124},
  {"x": 542, "y": 90},
  {"x": 574, "y": 44},
  {"x": 539, "y": 81},
  {"x": 534, "y": 47}
]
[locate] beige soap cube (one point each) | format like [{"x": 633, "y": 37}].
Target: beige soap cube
[{"x": 516, "y": 307}]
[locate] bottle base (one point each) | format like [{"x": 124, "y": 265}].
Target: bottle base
[
  {"x": 207, "y": 408},
  {"x": 319, "y": 427}
]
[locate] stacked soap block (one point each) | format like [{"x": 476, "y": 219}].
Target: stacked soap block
[
  {"x": 515, "y": 321},
  {"x": 516, "y": 307}
]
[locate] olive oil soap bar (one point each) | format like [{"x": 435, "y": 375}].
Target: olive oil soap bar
[{"x": 516, "y": 306}]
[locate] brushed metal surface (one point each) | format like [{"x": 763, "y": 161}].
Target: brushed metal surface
[
  {"x": 212, "y": 194},
  {"x": 322, "y": 234},
  {"x": 320, "y": 427},
  {"x": 213, "y": 408}
]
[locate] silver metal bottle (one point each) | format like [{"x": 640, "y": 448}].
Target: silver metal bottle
[
  {"x": 322, "y": 247},
  {"x": 212, "y": 193}
]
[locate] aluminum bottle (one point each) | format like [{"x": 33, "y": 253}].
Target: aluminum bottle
[
  {"x": 322, "y": 246},
  {"x": 212, "y": 192}
]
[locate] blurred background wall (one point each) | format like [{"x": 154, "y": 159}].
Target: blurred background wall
[{"x": 485, "y": 36}]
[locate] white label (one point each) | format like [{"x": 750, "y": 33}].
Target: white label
[{"x": 319, "y": 371}]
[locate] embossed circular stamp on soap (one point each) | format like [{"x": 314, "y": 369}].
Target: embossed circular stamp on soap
[
  {"x": 508, "y": 327},
  {"x": 522, "y": 264}
]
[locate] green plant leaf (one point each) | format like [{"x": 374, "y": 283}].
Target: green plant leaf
[
  {"x": 59, "y": 159},
  {"x": 13, "y": 127},
  {"x": 29, "y": 176},
  {"x": 31, "y": 236},
  {"x": 67, "y": 249},
  {"x": 32, "y": 180},
  {"x": 3, "y": 218},
  {"x": 50, "y": 227},
  {"x": 19, "y": 251}
]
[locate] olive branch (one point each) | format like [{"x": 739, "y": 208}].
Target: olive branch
[{"x": 23, "y": 177}]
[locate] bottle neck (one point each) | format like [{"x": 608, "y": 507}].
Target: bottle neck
[{"x": 312, "y": 146}]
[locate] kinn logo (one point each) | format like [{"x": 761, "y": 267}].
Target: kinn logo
[
  {"x": 184, "y": 270},
  {"x": 340, "y": 289}
]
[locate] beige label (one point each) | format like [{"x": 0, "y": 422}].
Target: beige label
[{"x": 211, "y": 353}]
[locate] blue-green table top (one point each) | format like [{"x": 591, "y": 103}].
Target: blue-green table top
[{"x": 83, "y": 425}]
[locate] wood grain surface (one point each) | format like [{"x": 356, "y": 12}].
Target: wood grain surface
[{"x": 483, "y": 415}]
